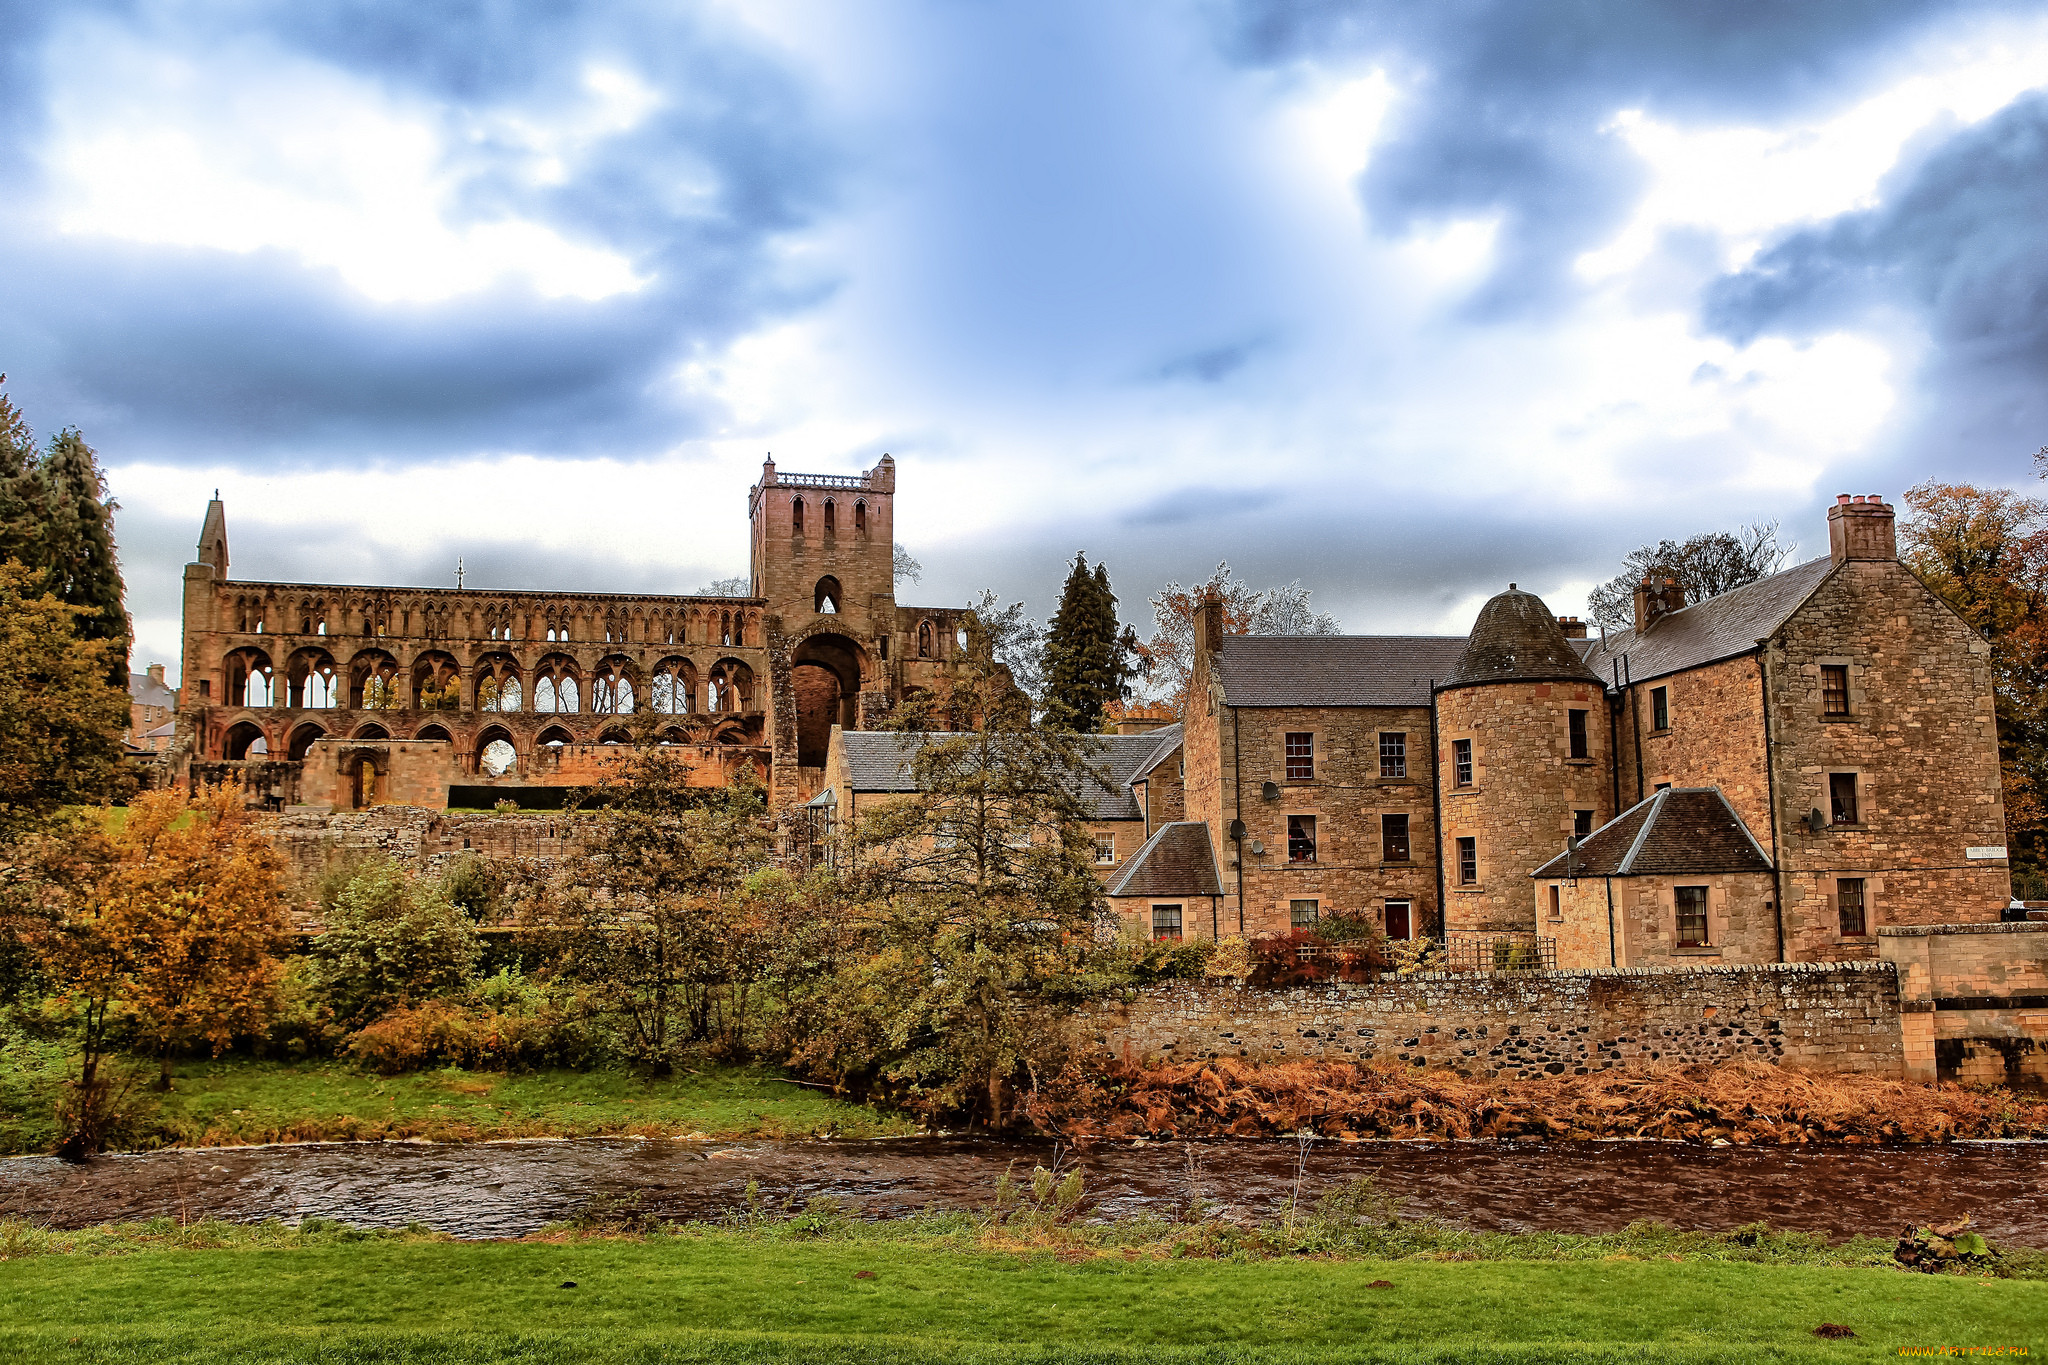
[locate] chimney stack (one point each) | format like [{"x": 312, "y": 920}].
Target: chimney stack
[
  {"x": 156, "y": 674},
  {"x": 1862, "y": 528},
  {"x": 1574, "y": 628},
  {"x": 1208, "y": 624},
  {"x": 1656, "y": 598}
]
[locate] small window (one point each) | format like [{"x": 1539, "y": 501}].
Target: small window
[
  {"x": 796, "y": 515},
  {"x": 1468, "y": 862},
  {"x": 1301, "y": 756},
  {"x": 1400, "y": 919},
  {"x": 1576, "y": 725},
  {"x": 1582, "y": 823},
  {"x": 1303, "y": 914},
  {"x": 1842, "y": 799},
  {"x": 1393, "y": 755},
  {"x": 1849, "y": 907},
  {"x": 831, "y": 517},
  {"x": 1166, "y": 922},
  {"x": 1461, "y": 762},
  {"x": 860, "y": 518},
  {"x": 1105, "y": 848},
  {"x": 1301, "y": 838},
  {"x": 1834, "y": 689},
  {"x": 1660, "y": 708},
  {"x": 1394, "y": 838},
  {"x": 1692, "y": 916},
  {"x": 1556, "y": 902}
]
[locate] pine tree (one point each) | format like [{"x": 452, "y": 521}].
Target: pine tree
[{"x": 1087, "y": 658}]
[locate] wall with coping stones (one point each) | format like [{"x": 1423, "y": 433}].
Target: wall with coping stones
[{"x": 1827, "y": 1017}]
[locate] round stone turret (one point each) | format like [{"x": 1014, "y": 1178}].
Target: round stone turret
[
  {"x": 1516, "y": 639},
  {"x": 1524, "y": 759}
]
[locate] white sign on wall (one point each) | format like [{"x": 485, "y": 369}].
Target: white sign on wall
[{"x": 1985, "y": 851}]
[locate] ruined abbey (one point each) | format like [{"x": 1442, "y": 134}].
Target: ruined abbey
[{"x": 352, "y": 696}]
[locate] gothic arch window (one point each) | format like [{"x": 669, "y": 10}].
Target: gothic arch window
[
  {"x": 611, "y": 690},
  {"x": 251, "y": 681},
  {"x": 725, "y": 628},
  {"x": 673, "y": 689},
  {"x": 860, "y": 519},
  {"x": 831, "y": 518},
  {"x": 497, "y": 684},
  {"x": 825, "y": 601},
  {"x": 246, "y": 740},
  {"x": 554, "y": 687},
  {"x": 796, "y": 516},
  {"x": 312, "y": 682},
  {"x": 302, "y": 741},
  {"x": 924, "y": 639}
]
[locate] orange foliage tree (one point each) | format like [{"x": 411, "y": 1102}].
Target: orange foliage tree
[{"x": 1985, "y": 552}]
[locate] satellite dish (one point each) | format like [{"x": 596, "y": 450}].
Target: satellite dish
[
  {"x": 1271, "y": 791},
  {"x": 1258, "y": 847},
  {"x": 1237, "y": 831},
  {"x": 1815, "y": 821}
]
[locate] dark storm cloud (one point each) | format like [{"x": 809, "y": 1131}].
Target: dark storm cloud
[
  {"x": 175, "y": 354},
  {"x": 1959, "y": 242},
  {"x": 1503, "y": 101}
]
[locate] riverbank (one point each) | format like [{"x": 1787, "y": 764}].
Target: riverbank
[
  {"x": 821, "y": 1290},
  {"x": 235, "y": 1102}
]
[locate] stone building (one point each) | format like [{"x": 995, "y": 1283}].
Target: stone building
[
  {"x": 1812, "y": 757},
  {"x": 351, "y": 696}
]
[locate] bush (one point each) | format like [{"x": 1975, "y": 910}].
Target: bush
[
  {"x": 303, "y": 1025},
  {"x": 391, "y": 940},
  {"x": 1306, "y": 957},
  {"x": 476, "y": 1035}
]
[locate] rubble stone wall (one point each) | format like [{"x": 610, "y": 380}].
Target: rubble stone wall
[{"x": 1841, "y": 1017}]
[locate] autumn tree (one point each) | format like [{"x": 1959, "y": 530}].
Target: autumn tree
[
  {"x": 1089, "y": 658},
  {"x": 60, "y": 717},
  {"x": 971, "y": 902},
  {"x": 1169, "y": 656},
  {"x": 1984, "y": 551},
  {"x": 1704, "y": 565},
  {"x": 649, "y": 920},
  {"x": 390, "y": 939},
  {"x": 196, "y": 904}
]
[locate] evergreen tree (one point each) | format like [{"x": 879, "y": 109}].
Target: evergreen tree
[
  {"x": 1087, "y": 658},
  {"x": 56, "y": 517}
]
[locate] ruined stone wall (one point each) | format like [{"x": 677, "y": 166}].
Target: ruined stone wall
[
  {"x": 1921, "y": 740},
  {"x": 1525, "y": 788},
  {"x": 1346, "y": 797},
  {"x": 313, "y": 842},
  {"x": 1840, "y": 1017},
  {"x": 1715, "y": 738}
]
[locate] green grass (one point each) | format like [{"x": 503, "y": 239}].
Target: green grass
[
  {"x": 727, "y": 1296},
  {"x": 231, "y": 1101}
]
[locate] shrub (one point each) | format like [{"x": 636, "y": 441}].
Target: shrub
[
  {"x": 1305, "y": 957},
  {"x": 478, "y": 1037},
  {"x": 391, "y": 940}
]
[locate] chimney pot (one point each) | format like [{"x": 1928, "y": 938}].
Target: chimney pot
[
  {"x": 1862, "y": 528},
  {"x": 1842, "y": 499}
]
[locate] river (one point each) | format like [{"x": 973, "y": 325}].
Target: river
[{"x": 505, "y": 1189}]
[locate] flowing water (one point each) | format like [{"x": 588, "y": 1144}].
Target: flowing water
[{"x": 504, "y": 1189}]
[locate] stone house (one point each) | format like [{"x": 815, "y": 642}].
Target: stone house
[{"x": 1840, "y": 712}]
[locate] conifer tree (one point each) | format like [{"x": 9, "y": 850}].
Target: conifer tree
[
  {"x": 1087, "y": 658},
  {"x": 56, "y": 517}
]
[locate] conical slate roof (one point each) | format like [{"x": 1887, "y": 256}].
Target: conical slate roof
[{"x": 1516, "y": 639}]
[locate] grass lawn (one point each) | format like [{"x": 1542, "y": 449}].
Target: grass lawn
[
  {"x": 231, "y": 1101},
  {"x": 724, "y": 1297}
]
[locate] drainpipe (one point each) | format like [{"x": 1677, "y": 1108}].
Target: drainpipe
[
  {"x": 1237, "y": 811},
  {"x": 1436, "y": 805},
  {"x": 1635, "y": 723},
  {"x": 1614, "y": 732},
  {"x": 1771, "y": 789}
]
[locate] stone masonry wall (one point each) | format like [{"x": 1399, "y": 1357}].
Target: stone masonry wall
[
  {"x": 1347, "y": 796},
  {"x": 1974, "y": 999},
  {"x": 1838, "y": 1017},
  {"x": 1715, "y": 739},
  {"x": 1525, "y": 787},
  {"x": 1921, "y": 739}
]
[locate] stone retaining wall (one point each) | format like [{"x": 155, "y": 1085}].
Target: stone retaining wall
[{"x": 1827, "y": 1017}]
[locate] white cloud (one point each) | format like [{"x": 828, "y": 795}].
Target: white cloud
[{"x": 246, "y": 149}]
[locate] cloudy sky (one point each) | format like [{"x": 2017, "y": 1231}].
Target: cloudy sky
[{"x": 1405, "y": 300}]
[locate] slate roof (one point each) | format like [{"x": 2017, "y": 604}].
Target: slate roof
[
  {"x": 1517, "y": 639},
  {"x": 147, "y": 691},
  {"x": 1169, "y": 738},
  {"x": 1718, "y": 628},
  {"x": 882, "y": 761},
  {"x": 1177, "y": 860},
  {"x": 167, "y": 730},
  {"x": 1680, "y": 831},
  {"x": 1334, "y": 670}
]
